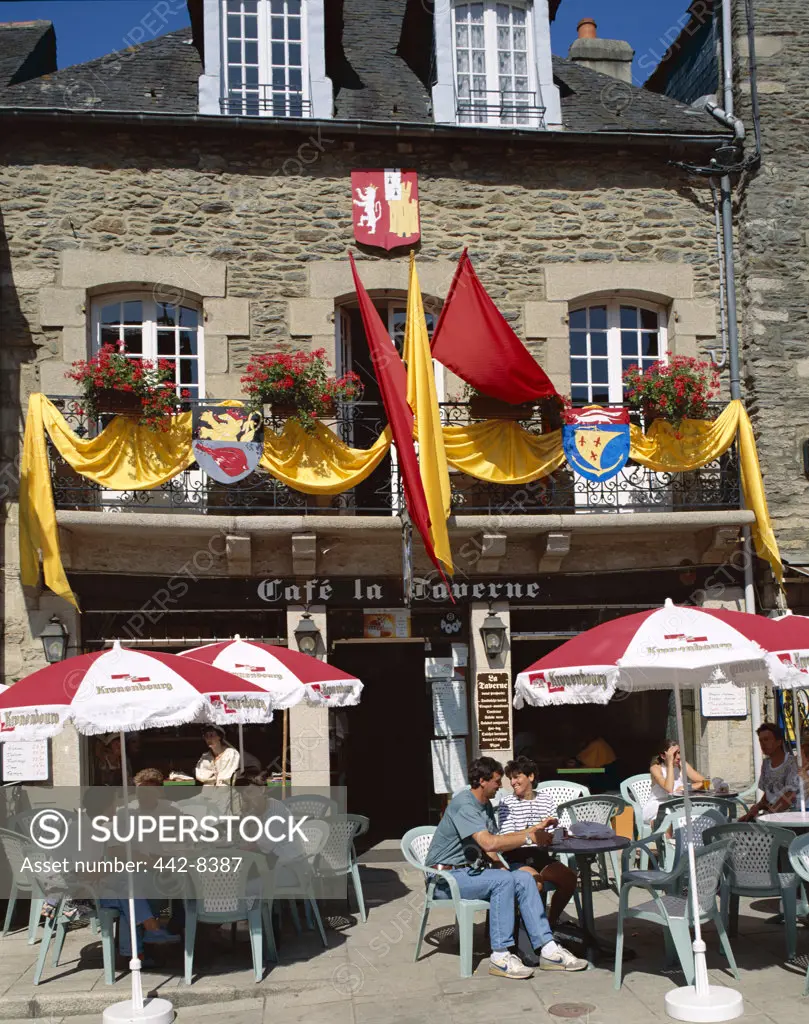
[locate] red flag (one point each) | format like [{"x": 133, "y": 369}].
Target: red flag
[
  {"x": 392, "y": 379},
  {"x": 474, "y": 340}
]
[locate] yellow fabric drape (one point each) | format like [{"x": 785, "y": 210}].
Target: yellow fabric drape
[
  {"x": 125, "y": 456},
  {"x": 319, "y": 463},
  {"x": 503, "y": 452},
  {"x": 423, "y": 400}
]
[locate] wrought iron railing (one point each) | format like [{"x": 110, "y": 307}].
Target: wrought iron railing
[
  {"x": 513, "y": 108},
  {"x": 635, "y": 489},
  {"x": 265, "y": 101}
]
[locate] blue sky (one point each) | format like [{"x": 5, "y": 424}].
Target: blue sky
[{"x": 91, "y": 28}]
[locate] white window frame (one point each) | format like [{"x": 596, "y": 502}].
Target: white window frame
[
  {"x": 615, "y": 359},
  {"x": 295, "y": 104},
  {"x": 149, "y": 329},
  {"x": 491, "y": 111}
]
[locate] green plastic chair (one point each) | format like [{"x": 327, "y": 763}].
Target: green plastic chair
[
  {"x": 664, "y": 850},
  {"x": 752, "y": 870},
  {"x": 674, "y": 912},
  {"x": 104, "y": 919},
  {"x": 799, "y": 858},
  {"x": 225, "y": 898},
  {"x": 415, "y": 845},
  {"x": 16, "y": 848},
  {"x": 724, "y": 804},
  {"x": 337, "y": 855},
  {"x": 600, "y": 810},
  {"x": 293, "y": 879}
]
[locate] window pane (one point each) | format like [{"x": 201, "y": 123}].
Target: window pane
[
  {"x": 601, "y": 395},
  {"x": 578, "y": 319},
  {"x": 188, "y": 371},
  {"x": 578, "y": 343},
  {"x": 579, "y": 396},
  {"x": 578, "y": 371},
  {"x": 251, "y": 76},
  {"x": 165, "y": 343},
  {"x": 598, "y": 344},
  {"x": 251, "y": 28},
  {"x": 629, "y": 316},
  {"x": 133, "y": 342},
  {"x": 278, "y": 55},
  {"x": 629, "y": 343},
  {"x": 109, "y": 336},
  {"x": 235, "y": 77},
  {"x": 188, "y": 317},
  {"x": 649, "y": 319},
  {"x": 188, "y": 343},
  {"x": 251, "y": 53},
  {"x": 250, "y": 6},
  {"x": 234, "y": 52},
  {"x": 598, "y": 318},
  {"x": 234, "y": 26},
  {"x": 111, "y": 314},
  {"x": 461, "y": 36},
  {"x": 477, "y": 37},
  {"x": 294, "y": 7},
  {"x": 598, "y": 371},
  {"x": 649, "y": 344},
  {"x": 166, "y": 314},
  {"x": 277, "y": 6},
  {"x": 277, "y": 28},
  {"x": 294, "y": 28},
  {"x": 133, "y": 312},
  {"x": 295, "y": 54}
]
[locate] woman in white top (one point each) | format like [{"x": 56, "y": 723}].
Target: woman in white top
[
  {"x": 219, "y": 765},
  {"x": 667, "y": 779}
]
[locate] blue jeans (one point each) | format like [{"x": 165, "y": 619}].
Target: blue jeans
[
  {"x": 142, "y": 913},
  {"x": 501, "y": 888}
]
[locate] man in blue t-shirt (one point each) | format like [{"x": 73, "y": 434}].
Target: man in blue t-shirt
[{"x": 465, "y": 844}]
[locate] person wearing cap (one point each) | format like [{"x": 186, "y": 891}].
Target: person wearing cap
[{"x": 219, "y": 765}]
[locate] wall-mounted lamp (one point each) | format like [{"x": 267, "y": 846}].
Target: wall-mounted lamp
[
  {"x": 307, "y": 635},
  {"x": 493, "y": 632},
  {"x": 54, "y": 640}
]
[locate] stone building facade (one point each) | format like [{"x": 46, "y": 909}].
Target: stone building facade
[{"x": 114, "y": 186}]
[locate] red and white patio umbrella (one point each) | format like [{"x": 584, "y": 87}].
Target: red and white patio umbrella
[
  {"x": 123, "y": 690},
  {"x": 289, "y": 677},
  {"x": 664, "y": 648}
]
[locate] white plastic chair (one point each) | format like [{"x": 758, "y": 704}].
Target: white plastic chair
[
  {"x": 636, "y": 791},
  {"x": 799, "y": 858},
  {"x": 337, "y": 856}
]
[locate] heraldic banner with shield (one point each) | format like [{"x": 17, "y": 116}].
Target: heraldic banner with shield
[
  {"x": 386, "y": 207},
  {"x": 596, "y": 441},
  {"x": 227, "y": 440}
]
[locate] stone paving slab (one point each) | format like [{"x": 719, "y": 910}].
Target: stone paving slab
[{"x": 367, "y": 974}]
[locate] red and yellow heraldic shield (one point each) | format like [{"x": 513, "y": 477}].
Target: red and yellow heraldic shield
[{"x": 386, "y": 207}]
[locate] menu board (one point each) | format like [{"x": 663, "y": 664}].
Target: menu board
[
  {"x": 25, "y": 761},
  {"x": 386, "y": 623},
  {"x": 450, "y": 716},
  {"x": 449, "y": 765},
  {"x": 438, "y": 668},
  {"x": 493, "y": 697},
  {"x": 723, "y": 700}
]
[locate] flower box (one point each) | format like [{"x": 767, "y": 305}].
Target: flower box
[
  {"x": 481, "y": 407},
  {"x": 112, "y": 401}
]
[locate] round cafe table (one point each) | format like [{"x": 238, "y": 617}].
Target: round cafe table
[
  {"x": 796, "y": 821},
  {"x": 585, "y": 851}
]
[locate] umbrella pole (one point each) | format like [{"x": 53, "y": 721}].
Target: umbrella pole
[
  {"x": 700, "y": 1001},
  {"x": 284, "y": 742},
  {"x": 241, "y": 749}
]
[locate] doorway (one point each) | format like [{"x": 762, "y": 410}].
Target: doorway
[{"x": 385, "y": 757}]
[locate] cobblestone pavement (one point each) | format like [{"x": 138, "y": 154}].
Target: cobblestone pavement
[{"x": 367, "y": 974}]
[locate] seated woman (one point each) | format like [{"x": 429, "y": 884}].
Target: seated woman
[
  {"x": 667, "y": 779},
  {"x": 219, "y": 765},
  {"x": 779, "y": 774},
  {"x": 521, "y": 809}
]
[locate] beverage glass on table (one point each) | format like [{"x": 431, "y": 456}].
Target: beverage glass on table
[{"x": 706, "y": 784}]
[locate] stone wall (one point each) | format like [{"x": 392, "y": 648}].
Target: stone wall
[
  {"x": 774, "y": 261},
  {"x": 251, "y": 225}
]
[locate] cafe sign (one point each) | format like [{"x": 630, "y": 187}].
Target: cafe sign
[{"x": 342, "y": 591}]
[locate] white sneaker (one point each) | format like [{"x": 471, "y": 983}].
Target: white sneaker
[
  {"x": 507, "y": 965},
  {"x": 562, "y": 960}
]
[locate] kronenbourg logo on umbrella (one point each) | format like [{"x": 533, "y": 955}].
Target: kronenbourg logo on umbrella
[
  {"x": 596, "y": 441},
  {"x": 227, "y": 440}
]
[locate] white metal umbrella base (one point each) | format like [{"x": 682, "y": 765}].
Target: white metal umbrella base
[
  {"x": 718, "y": 1003},
  {"x": 155, "y": 1011}
]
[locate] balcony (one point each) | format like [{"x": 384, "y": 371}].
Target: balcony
[
  {"x": 506, "y": 109},
  {"x": 636, "y": 490},
  {"x": 265, "y": 101}
]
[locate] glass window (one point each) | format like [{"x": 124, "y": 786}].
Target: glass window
[
  {"x": 145, "y": 329},
  {"x": 494, "y": 64},
  {"x": 605, "y": 340}
]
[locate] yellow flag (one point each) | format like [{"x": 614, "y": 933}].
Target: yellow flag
[{"x": 423, "y": 400}]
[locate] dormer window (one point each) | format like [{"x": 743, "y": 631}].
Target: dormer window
[
  {"x": 265, "y": 58},
  {"x": 495, "y": 78},
  {"x": 493, "y": 64}
]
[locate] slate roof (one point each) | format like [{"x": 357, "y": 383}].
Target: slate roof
[
  {"x": 162, "y": 76},
  {"x": 27, "y": 50}
]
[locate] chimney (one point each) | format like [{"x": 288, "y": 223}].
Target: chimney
[{"x": 611, "y": 57}]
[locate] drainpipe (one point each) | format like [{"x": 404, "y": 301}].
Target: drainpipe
[{"x": 728, "y": 118}]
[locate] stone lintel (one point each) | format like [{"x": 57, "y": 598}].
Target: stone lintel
[
  {"x": 557, "y": 547},
  {"x": 661, "y": 282},
  {"x": 304, "y": 554},
  {"x": 174, "y": 275},
  {"x": 239, "y": 555},
  {"x": 545, "y": 319},
  {"x": 331, "y": 279},
  {"x": 692, "y": 316}
]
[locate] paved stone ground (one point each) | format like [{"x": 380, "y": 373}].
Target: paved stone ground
[{"x": 367, "y": 976}]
